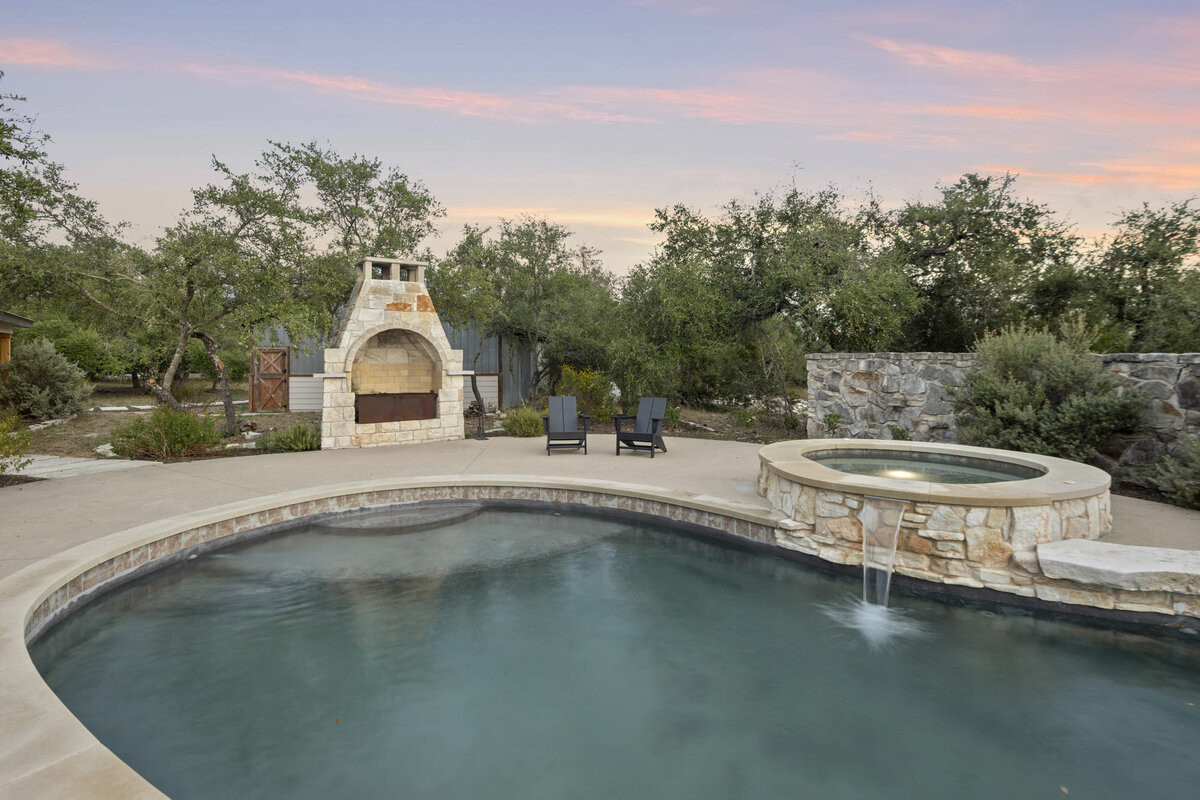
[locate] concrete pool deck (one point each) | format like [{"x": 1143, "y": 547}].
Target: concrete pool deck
[
  {"x": 39, "y": 520},
  {"x": 50, "y": 527}
]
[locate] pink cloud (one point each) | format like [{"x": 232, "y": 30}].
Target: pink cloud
[
  {"x": 1017, "y": 113},
  {"x": 959, "y": 61},
  {"x": 1157, "y": 175},
  {"x": 583, "y": 103},
  {"x": 466, "y": 103},
  {"x": 48, "y": 53},
  {"x": 856, "y": 136}
]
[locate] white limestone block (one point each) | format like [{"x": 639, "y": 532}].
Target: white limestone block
[{"x": 1121, "y": 566}]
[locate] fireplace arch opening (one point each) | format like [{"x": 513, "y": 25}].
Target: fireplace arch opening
[{"x": 395, "y": 377}]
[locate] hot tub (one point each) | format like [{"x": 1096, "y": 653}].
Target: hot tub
[{"x": 975, "y": 515}]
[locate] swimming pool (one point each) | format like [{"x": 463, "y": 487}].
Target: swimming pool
[{"x": 503, "y": 653}]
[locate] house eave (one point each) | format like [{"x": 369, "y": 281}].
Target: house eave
[{"x": 15, "y": 320}]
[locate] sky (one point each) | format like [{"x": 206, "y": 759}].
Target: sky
[{"x": 593, "y": 114}]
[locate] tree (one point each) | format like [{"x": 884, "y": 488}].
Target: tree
[
  {"x": 528, "y": 285},
  {"x": 43, "y": 218},
  {"x": 727, "y": 307},
  {"x": 975, "y": 257},
  {"x": 1142, "y": 286},
  {"x": 255, "y": 251},
  {"x": 675, "y": 339}
]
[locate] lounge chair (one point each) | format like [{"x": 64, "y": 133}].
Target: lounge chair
[
  {"x": 647, "y": 427},
  {"x": 562, "y": 425}
]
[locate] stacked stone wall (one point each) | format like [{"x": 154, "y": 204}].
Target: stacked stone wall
[
  {"x": 1173, "y": 381},
  {"x": 875, "y": 391}
]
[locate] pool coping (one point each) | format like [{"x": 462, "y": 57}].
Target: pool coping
[
  {"x": 50, "y": 754},
  {"x": 1062, "y": 480}
]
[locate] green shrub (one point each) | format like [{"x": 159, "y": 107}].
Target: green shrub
[
  {"x": 14, "y": 441},
  {"x": 297, "y": 438},
  {"x": 523, "y": 421},
  {"x": 1039, "y": 393},
  {"x": 38, "y": 382},
  {"x": 593, "y": 390},
  {"x": 98, "y": 355},
  {"x": 744, "y": 418},
  {"x": 1178, "y": 475},
  {"x": 900, "y": 433},
  {"x": 832, "y": 423},
  {"x": 166, "y": 434}
]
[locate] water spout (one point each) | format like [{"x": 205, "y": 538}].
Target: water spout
[{"x": 880, "y": 518}]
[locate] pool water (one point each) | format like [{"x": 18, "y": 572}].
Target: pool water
[
  {"x": 531, "y": 655},
  {"x": 922, "y": 466}
]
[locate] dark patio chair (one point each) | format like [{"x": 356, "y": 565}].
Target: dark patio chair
[
  {"x": 647, "y": 427},
  {"x": 562, "y": 425}
]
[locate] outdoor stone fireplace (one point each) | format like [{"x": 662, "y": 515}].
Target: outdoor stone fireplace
[{"x": 391, "y": 377}]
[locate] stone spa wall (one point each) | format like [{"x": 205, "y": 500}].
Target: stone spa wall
[
  {"x": 989, "y": 537},
  {"x": 875, "y": 391},
  {"x": 979, "y": 546}
]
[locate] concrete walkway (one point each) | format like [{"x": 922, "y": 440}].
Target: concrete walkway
[
  {"x": 151, "y": 407},
  {"x": 38, "y": 520},
  {"x": 1150, "y": 524},
  {"x": 64, "y": 467}
]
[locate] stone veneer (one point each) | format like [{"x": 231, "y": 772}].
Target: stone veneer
[
  {"x": 875, "y": 391},
  {"x": 389, "y": 324}
]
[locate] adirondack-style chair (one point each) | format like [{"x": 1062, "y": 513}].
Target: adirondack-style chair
[
  {"x": 562, "y": 425},
  {"x": 647, "y": 427}
]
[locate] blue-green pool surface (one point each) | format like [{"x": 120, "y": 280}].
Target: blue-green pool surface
[{"x": 518, "y": 654}]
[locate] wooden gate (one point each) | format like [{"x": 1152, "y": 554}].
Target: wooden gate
[{"x": 269, "y": 380}]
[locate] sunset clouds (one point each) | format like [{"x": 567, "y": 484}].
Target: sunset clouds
[
  {"x": 595, "y": 118},
  {"x": 48, "y": 53}
]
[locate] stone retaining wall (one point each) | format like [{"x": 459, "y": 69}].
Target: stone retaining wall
[{"x": 875, "y": 391}]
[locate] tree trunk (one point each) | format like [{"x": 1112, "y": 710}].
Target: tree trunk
[
  {"x": 535, "y": 371},
  {"x": 162, "y": 395},
  {"x": 168, "y": 377},
  {"x": 135, "y": 380},
  {"x": 478, "y": 397},
  {"x": 210, "y": 345}
]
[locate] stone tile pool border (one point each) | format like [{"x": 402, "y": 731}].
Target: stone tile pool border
[{"x": 49, "y": 754}]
